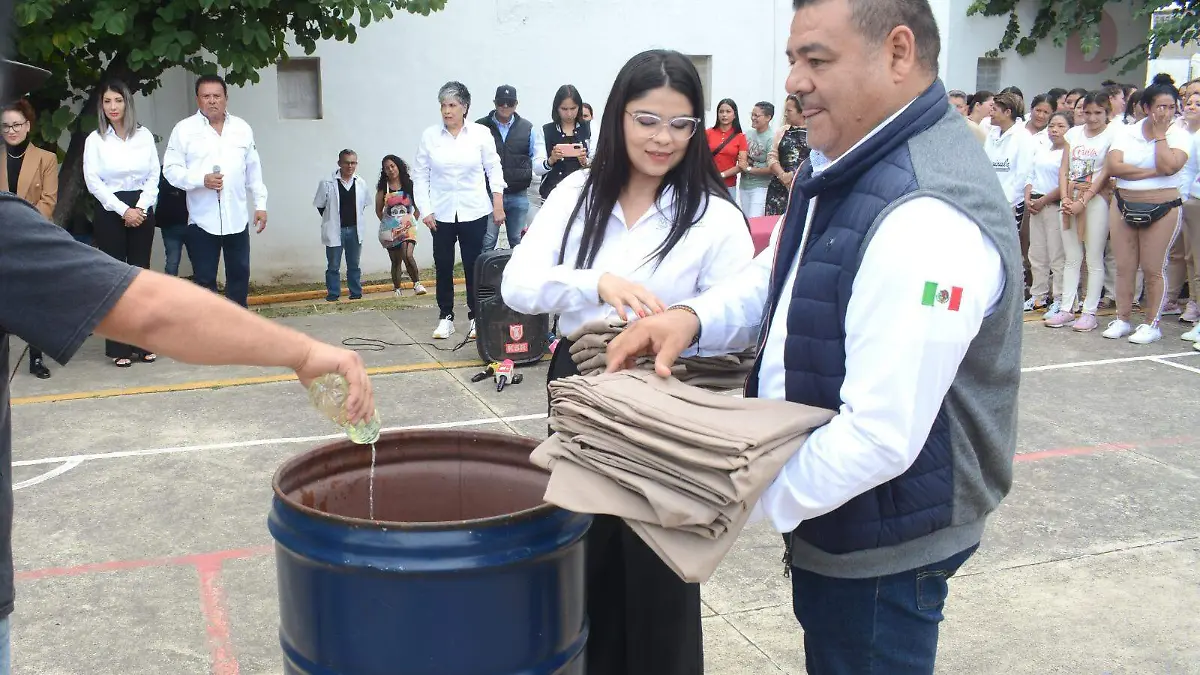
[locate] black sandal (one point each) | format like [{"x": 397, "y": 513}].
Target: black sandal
[
  {"x": 122, "y": 363},
  {"x": 145, "y": 357}
]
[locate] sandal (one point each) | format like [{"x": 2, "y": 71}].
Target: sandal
[
  {"x": 145, "y": 357},
  {"x": 122, "y": 363}
]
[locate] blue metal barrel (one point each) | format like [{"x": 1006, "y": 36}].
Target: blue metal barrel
[{"x": 463, "y": 571}]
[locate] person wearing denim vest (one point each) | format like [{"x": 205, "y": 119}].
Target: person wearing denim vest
[{"x": 902, "y": 223}]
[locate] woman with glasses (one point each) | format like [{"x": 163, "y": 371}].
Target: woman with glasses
[
  {"x": 649, "y": 225},
  {"x": 788, "y": 152},
  {"x": 456, "y": 167},
  {"x": 728, "y": 144},
  {"x": 121, "y": 169},
  {"x": 757, "y": 176},
  {"x": 1146, "y": 159},
  {"x": 31, "y": 174}
]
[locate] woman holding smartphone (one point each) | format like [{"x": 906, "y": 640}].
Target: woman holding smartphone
[
  {"x": 649, "y": 225},
  {"x": 567, "y": 139}
]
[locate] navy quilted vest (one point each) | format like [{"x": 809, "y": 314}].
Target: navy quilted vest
[{"x": 851, "y": 195}]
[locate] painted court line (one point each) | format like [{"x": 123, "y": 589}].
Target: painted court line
[
  {"x": 267, "y": 441},
  {"x": 1107, "y": 362},
  {"x": 53, "y": 473},
  {"x": 1177, "y": 365}
]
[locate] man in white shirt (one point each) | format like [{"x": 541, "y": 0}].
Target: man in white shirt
[
  {"x": 212, "y": 156},
  {"x": 341, "y": 199},
  {"x": 905, "y": 226}
]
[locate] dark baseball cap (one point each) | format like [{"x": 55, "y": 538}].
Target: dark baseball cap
[
  {"x": 18, "y": 79},
  {"x": 506, "y": 94}
]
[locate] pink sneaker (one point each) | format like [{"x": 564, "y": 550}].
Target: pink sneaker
[
  {"x": 1085, "y": 323},
  {"x": 1171, "y": 309},
  {"x": 1192, "y": 313},
  {"x": 1059, "y": 319}
]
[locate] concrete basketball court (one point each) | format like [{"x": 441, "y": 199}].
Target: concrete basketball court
[{"x": 142, "y": 496}]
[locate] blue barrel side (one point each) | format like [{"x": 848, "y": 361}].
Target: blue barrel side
[{"x": 501, "y": 599}]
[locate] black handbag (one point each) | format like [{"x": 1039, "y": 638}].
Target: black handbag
[{"x": 1140, "y": 215}]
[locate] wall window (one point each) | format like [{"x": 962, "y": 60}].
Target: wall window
[
  {"x": 703, "y": 65},
  {"x": 299, "y": 88},
  {"x": 988, "y": 75}
]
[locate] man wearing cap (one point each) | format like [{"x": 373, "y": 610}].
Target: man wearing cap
[
  {"x": 58, "y": 291},
  {"x": 522, "y": 154}
]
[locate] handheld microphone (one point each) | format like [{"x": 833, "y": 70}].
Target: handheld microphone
[
  {"x": 504, "y": 374},
  {"x": 220, "y": 207}
]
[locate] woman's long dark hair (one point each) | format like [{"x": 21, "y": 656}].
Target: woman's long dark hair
[
  {"x": 406, "y": 183},
  {"x": 737, "y": 118},
  {"x": 694, "y": 181},
  {"x": 567, "y": 91}
]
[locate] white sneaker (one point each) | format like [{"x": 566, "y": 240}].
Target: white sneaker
[
  {"x": 1117, "y": 329},
  {"x": 471, "y": 334},
  {"x": 1192, "y": 335},
  {"x": 1054, "y": 308},
  {"x": 444, "y": 330},
  {"x": 420, "y": 290},
  {"x": 1145, "y": 334},
  {"x": 399, "y": 293}
]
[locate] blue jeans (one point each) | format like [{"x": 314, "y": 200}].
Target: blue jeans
[
  {"x": 205, "y": 251},
  {"x": 173, "y": 236},
  {"x": 516, "y": 210},
  {"x": 333, "y": 271},
  {"x": 875, "y": 625},
  {"x": 5, "y": 646}
]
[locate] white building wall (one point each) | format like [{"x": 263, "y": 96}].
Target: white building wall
[
  {"x": 966, "y": 39},
  {"x": 378, "y": 94},
  {"x": 381, "y": 92}
]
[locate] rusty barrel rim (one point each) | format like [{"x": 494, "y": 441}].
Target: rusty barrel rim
[{"x": 421, "y": 443}]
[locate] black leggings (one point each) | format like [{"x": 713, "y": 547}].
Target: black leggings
[
  {"x": 402, "y": 255},
  {"x": 644, "y": 619}
]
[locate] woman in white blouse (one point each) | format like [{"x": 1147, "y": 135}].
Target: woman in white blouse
[
  {"x": 650, "y": 224},
  {"x": 1146, "y": 159},
  {"x": 121, "y": 170},
  {"x": 456, "y": 166}
]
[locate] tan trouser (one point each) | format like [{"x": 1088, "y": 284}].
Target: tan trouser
[
  {"x": 1046, "y": 256},
  {"x": 1191, "y": 236},
  {"x": 1145, "y": 247},
  {"x": 1086, "y": 232}
]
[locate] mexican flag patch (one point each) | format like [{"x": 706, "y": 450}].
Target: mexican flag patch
[{"x": 936, "y": 295}]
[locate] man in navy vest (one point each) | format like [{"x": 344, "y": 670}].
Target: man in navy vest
[
  {"x": 891, "y": 293},
  {"x": 522, "y": 155}
]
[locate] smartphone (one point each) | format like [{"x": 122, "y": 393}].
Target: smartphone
[{"x": 569, "y": 150}]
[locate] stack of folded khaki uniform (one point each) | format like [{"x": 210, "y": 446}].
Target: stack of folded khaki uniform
[
  {"x": 589, "y": 351},
  {"x": 683, "y": 466}
]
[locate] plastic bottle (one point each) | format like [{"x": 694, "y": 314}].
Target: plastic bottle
[{"x": 328, "y": 394}]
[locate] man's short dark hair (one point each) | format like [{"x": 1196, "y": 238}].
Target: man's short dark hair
[
  {"x": 878, "y": 18},
  {"x": 346, "y": 153},
  {"x": 957, "y": 93},
  {"x": 211, "y": 79},
  {"x": 767, "y": 107}
]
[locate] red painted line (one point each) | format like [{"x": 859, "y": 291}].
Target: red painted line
[
  {"x": 1097, "y": 449},
  {"x": 196, "y": 559},
  {"x": 216, "y": 618}
]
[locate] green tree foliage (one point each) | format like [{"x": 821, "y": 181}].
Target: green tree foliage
[
  {"x": 83, "y": 43},
  {"x": 1056, "y": 20}
]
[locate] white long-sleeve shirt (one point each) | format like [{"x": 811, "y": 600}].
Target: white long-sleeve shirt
[
  {"x": 896, "y": 378},
  {"x": 1012, "y": 156},
  {"x": 112, "y": 164},
  {"x": 717, "y": 247},
  {"x": 194, "y": 149},
  {"x": 448, "y": 173}
]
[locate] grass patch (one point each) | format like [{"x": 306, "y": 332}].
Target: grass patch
[
  {"x": 322, "y": 307},
  {"x": 296, "y": 287}
]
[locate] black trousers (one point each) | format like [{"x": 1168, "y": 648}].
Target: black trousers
[
  {"x": 643, "y": 619},
  {"x": 129, "y": 245},
  {"x": 469, "y": 235}
]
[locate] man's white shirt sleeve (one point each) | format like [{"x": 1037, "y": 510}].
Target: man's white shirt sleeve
[
  {"x": 901, "y": 358},
  {"x": 731, "y": 312}
]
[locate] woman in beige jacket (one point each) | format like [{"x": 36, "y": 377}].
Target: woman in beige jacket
[{"x": 32, "y": 174}]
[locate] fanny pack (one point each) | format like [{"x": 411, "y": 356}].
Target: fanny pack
[{"x": 1140, "y": 215}]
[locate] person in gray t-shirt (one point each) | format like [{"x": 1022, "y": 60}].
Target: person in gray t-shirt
[
  {"x": 759, "y": 139},
  {"x": 57, "y": 291}
]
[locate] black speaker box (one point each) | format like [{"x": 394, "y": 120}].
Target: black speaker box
[{"x": 501, "y": 332}]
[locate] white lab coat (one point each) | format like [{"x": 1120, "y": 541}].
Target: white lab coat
[{"x": 331, "y": 221}]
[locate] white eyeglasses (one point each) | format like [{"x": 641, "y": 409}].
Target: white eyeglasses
[{"x": 680, "y": 128}]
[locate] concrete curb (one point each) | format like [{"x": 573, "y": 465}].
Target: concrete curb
[{"x": 273, "y": 298}]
